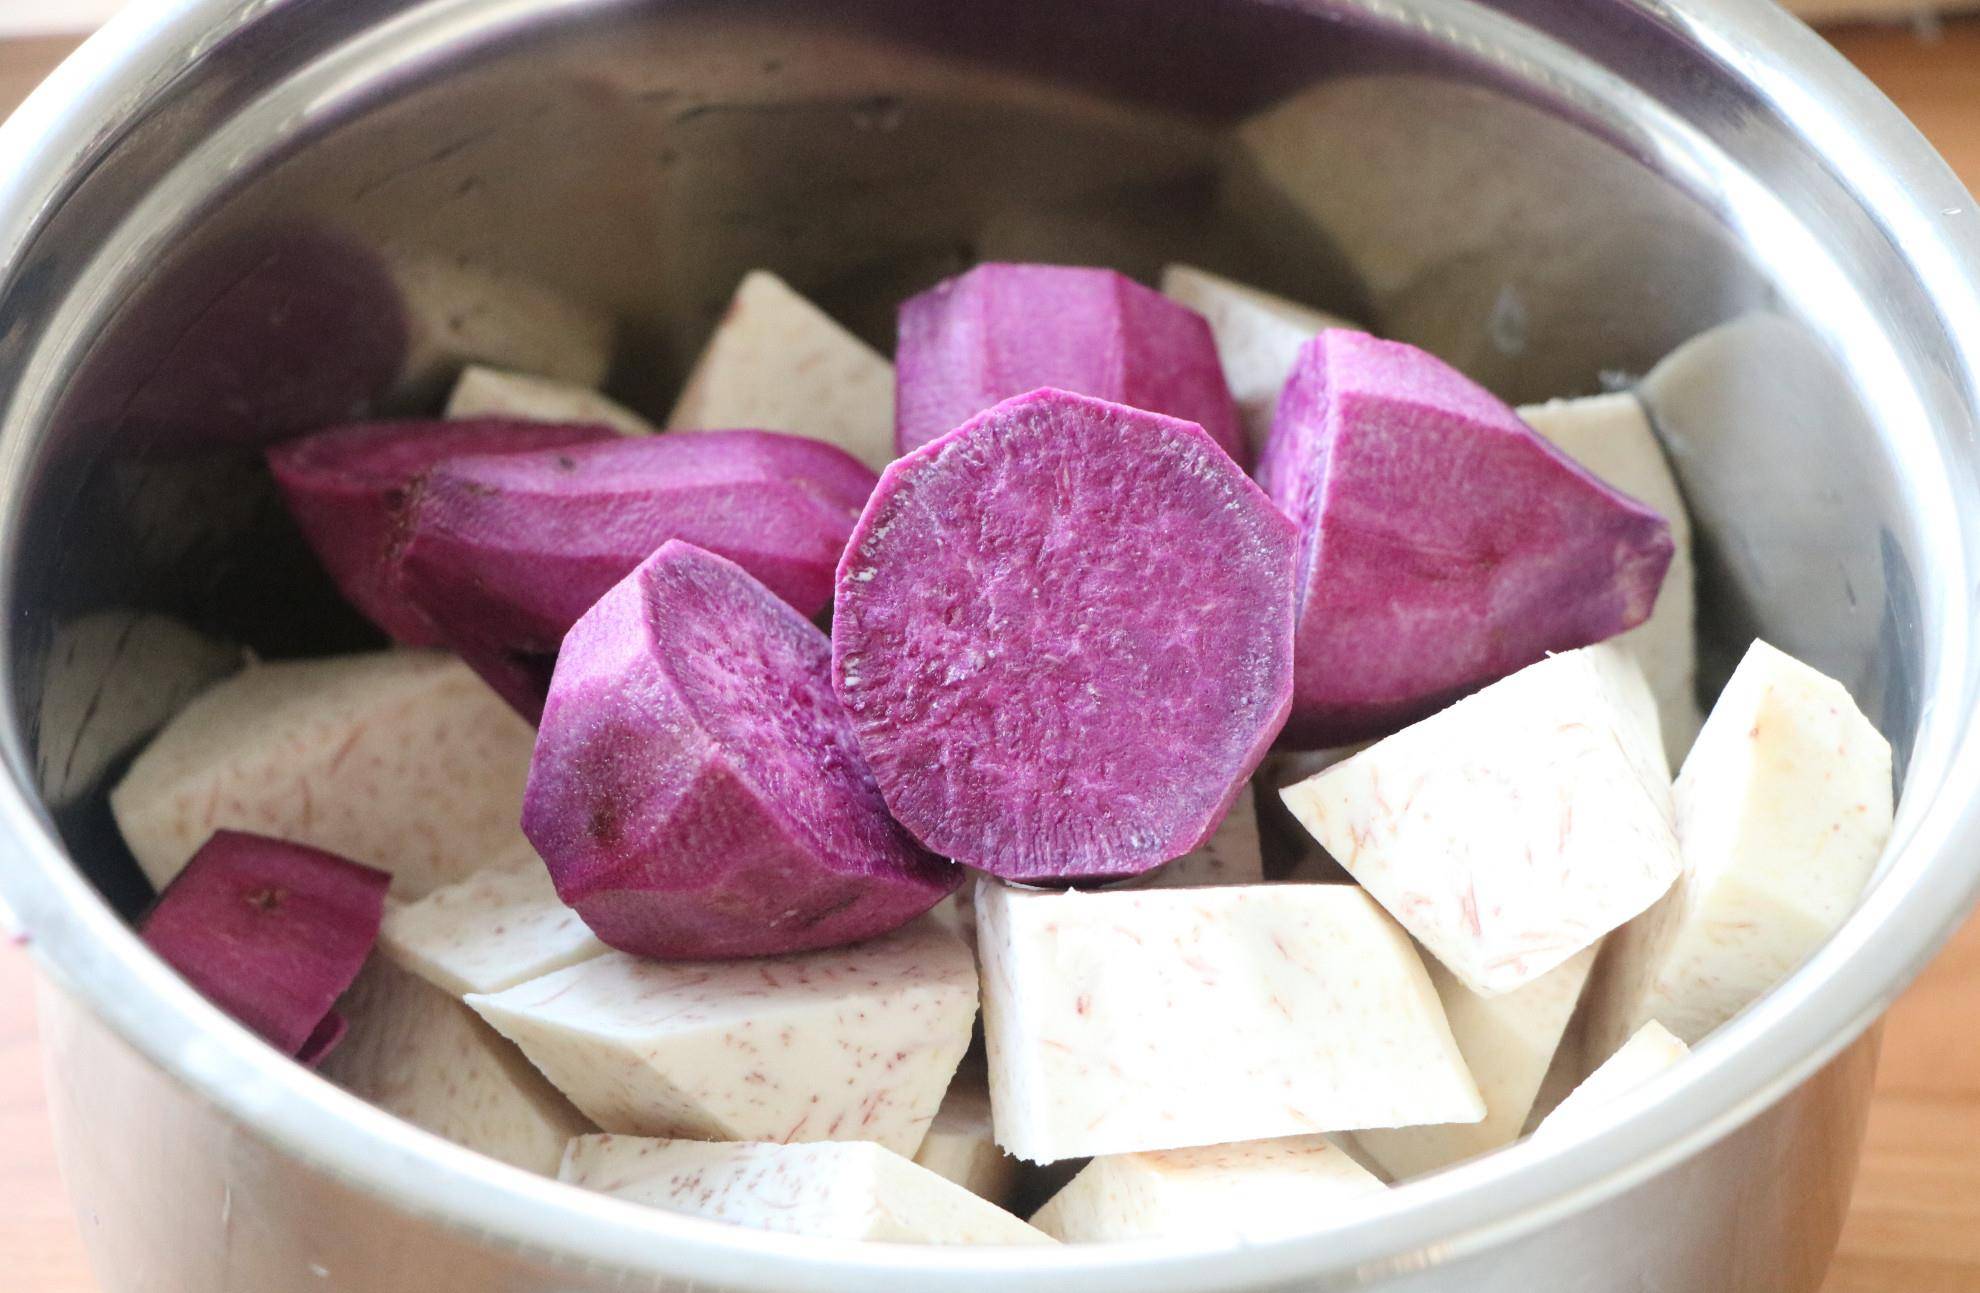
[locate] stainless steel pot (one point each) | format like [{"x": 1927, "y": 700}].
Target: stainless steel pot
[{"x": 227, "y": 219}]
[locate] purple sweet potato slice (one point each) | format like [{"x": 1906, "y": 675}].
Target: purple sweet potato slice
[
  {"x": 1443, "y": 544},
  {"x": 348, "y": 488},
  {"x": 506, "y": 552},
  {"x": 271, "y": 932},
  {"x": 1001, "y": 330},
  {"x": 1064, "y": 635},
  {"x": 697, "y": 791}
]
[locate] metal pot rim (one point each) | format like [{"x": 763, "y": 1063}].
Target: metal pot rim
[{"x": 1926, "y": 889}]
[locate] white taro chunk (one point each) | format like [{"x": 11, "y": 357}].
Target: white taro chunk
[
  {"x": 1166, "y": 1018},
  {"x": 1783, "y": 807},
  {"x": 402, "y": 760},
  {"x": 1508, "y": 1043},
  {"x": 845, "y": 1190},
  {"x": 1514, "y": 828},
  {"x": 1064, "y": 636},
  {"x": 416, "y": 1051},
  {"x": 1612, "y": 437},
  {"x": 851, "y": 1043},
  {"x": 484, "y": 392},
  {"x": 459, "y": 312},
  {"x": 1257, "y": 1190},
  {"x": 961, "y": 1144},
  {"x": 1651, "y": 1051},
  {"x": 1258, "y": 339},
  {"x": 491, "y": 931},
  {"x": 778, "y": 363}
]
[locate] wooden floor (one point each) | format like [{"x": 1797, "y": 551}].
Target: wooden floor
[{"x": 1915, "y": 1223}]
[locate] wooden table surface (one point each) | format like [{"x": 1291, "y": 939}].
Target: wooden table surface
[{"x": 1914, "y": 1226}]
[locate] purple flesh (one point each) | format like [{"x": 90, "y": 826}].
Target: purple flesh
[
  {"x": 271, "y": 932},
  {"x": 1443, "y": 544},
  {"x": 696, "y": 789},
  {"x": 1064, "y": 635},
  {"x": 507, "y": 551},
  {"x": 1001, "y": 330},
  {"x": 348, "y": 488}
]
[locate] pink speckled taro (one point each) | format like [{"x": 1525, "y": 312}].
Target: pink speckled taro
[
  {"x": 507, "y": 551},
  {"x": 1001, "y": 330},
  {"x": 1443, "y": 544},
  {"x": 1064, "y": 635},
  {"x": 272, "y": 933},
  {"x": 348, "y": 489},
  {"x": 696, "y": 789}
]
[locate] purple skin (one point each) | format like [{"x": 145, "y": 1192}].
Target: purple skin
[
  {"x": 272, "y": 933},
  {"x": 1001, "y": 330},
  {"x": 1443, "y": 544},
  {"x": 506, "y": 552},
  {"x": 348, "y": 489},
  {"x": 1064, "y": 633},
  {"x": 328, "y": 1034},
  {"x": 696, "y": 789}
]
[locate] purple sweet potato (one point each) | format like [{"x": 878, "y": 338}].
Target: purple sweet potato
[
  {"x": 1443, "y": 544},
  {"x": 348, "y": 488},
  {"x": 323, "y": 1039},
  {"x": 696, "y": 790},
  {"x": 272, "y": 933},
  {"x": 1001, "y": 330},
  {"x": 1064, "y": 635},
  {"x": 506, "y": 552}
]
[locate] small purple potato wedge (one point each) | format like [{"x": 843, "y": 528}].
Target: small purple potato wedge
[
  {"x": 1064, "y": 635},
  {"x": 272, "y": 933},
  {"x": 1001, "y": 330},
  {"x": 1443, "y": 544},
  {"x": 696, "y": 790},
  {"x": 348, "y": 489},
  {"x": 507, "y": 551}
]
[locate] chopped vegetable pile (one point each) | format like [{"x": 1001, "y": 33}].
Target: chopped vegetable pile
[{"x": 1297, "y": 833}]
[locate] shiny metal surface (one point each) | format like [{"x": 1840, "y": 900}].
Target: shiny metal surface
[{"x": 229, "y": 219}]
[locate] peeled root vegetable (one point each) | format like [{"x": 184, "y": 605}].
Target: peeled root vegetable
[
  {"x": 1649, "y": 1051},
  {"x": 349, "y": 487},
  {"x": 483, "y": 392},
  {"x": 1443, "y": 544},
  {"x": 506, "y": 552},
  {"x": 696, "y": 789},
  {"x": 272, "y": 933},
  {"x": 1064, "y": 635},
  {"x": 1001, "y": 330}
]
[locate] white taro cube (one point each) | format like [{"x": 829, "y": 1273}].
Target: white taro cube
[
  {"x": 1651, "y": 1051},
  {"x": 1261, "y": 1189},
  {"x": 491, "y": 931},
  {"x": 1258, "y": 336},
  {"x": 418, "y": 1052},
  {"x": 1612, "y": 437},
  {"x": 778, "y": 363},
  {"x": 1163, "y": 1018},
  {"x": 458, "y": 311},
  {"x": 401, "y": 760},
  {"x": 1515, "y": 828},
  {"x": 484, "y": 392},
  {"x": 1508, "y": 1042},
  {"x": 1783, "y": 807},
  {"x": 961, "y": 1145},
  {"x": 830, "y": 1190},
  {"x": 849, "y": 1043}
]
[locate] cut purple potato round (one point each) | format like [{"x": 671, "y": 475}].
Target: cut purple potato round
[
  {"x": 1443, "y": 544},
  {"x": 272, "y": 933},
  {"x": 1064, "y": 635},
  {"x": 507, "y": 551},
  {"x": 697, "y": 792},
  {"x": 1001, "y": 330},
  {"x": 348, "y": 489}
]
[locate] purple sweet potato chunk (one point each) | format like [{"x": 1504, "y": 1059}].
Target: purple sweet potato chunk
[
  {"x": 696, "y": 789},
  {"x": 1064, "y": 635},
  {"x": 323, "y": 1040},
  {"x": 1001, "y": 330},
  {"x": 506, "y": 552},
  {"x": 271, "y": 932},
  {"x": 348, "y": 488},
  {"x": 1443, "y": 544}
]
